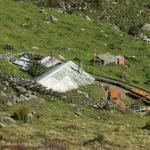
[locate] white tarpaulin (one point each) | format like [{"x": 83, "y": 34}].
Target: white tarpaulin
[{"x": 65, "y": 77}]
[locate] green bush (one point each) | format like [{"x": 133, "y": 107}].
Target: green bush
[
  {"x": 21, "y": 114},
  {"x": 100, "y": 138},
  {"x": 35, "y": 68}
]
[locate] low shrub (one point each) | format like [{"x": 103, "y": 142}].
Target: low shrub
[
  {"x": 1, "y": 136},
  {"x": 39, "y": 115},
  {"x": 21, "y": 114},
  {"x": 35, "y": 68}
]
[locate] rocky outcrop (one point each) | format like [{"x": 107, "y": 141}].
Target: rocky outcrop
[
  {"x": 25, "y": 86},
  {"x": 32, "y": 56},
  {"x": 27, "y": 90},
  {"x": 7, "y": 56},
  {"x": 10, "y": 98}
]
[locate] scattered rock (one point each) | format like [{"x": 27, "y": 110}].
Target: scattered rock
[
  {"x": 62, "y": 5},
  {"x": 35, "y": 48},
  {"x": 51, "y": 19},
  {"x": 7, "y": 119},
  {"x": 2, "y": 94},
  {"x": 25, "y": 25},
  {"x": 146, "y": 27},
  {"x": 127, "y": 2},
  {"x": 9, "y": 104},
  {"x": 84, "y": 93},
  {"x": 2, "y": 125},
  {"x": 72, "y": 105},
  {"x": 78, "y": 113},
  {"x": 21, "y": 89},
  {"x": 60, "y": 11},
  {"x": 88, "y": 18},
  {"x": 7, "y": 56},
  {"x": 30, "y": 86},
  {"x": 98, "y": 118},
  {"x": 146, "y": 39},
  {"x": 82, "y": 29},
  {"x": 61, "y": 58},
  {"x": 42, "y": 11}
]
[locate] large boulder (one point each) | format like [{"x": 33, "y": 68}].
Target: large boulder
[
  {"x": 62, "y": 5},
  {"x": 51, "y": 19},
  {"x": 21, "y": 89},
  {"x": 146, "y": 27}
]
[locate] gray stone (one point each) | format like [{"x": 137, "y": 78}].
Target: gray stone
[
  {"x": 78, "y": 113},
  {"x": 127, "y": 2},
  {"x": 68, "y": 6},
  {"x": 62, "y": 5},
  {"x": 2, "y": 94},
  {"x": 2, "y": 125},
  {"x": 88, "y": 18},
  {"x": 15, "y": 99},
  {"x": 146, "y": 39},
  {"x": 22, "y": 98},
  {"x": 9, "y": 104},
  {"x": 35, "y": 48},
  {"x": 42, "y": 11},
  {"x": 7, "y": 119},
  {"x": 21, "y": 89},
  {"x": 7, "y": 56},
  {"x": 73, "y": 105},
  {"x": 146, "y": 27},
  {"x": 51, "y": 19}
]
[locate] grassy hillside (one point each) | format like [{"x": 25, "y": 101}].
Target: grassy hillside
[
  {"x": 23, "y": 26},
  {"x": 124, "y": 14},
  {"x": 59, "y": 128},
  {"x": 60, "y": 125}
]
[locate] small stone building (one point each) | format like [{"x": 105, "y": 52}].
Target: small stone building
[
  {"x": 108, "y": 58},
  {"x": 105, "y": 59}
]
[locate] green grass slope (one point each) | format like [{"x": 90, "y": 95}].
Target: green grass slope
[
  {"x": 23, "y": 26},
  {"x": 124, "y": 14},
  {"x": 59, "y": 128},
  {"x": 56, "y": 124}
]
